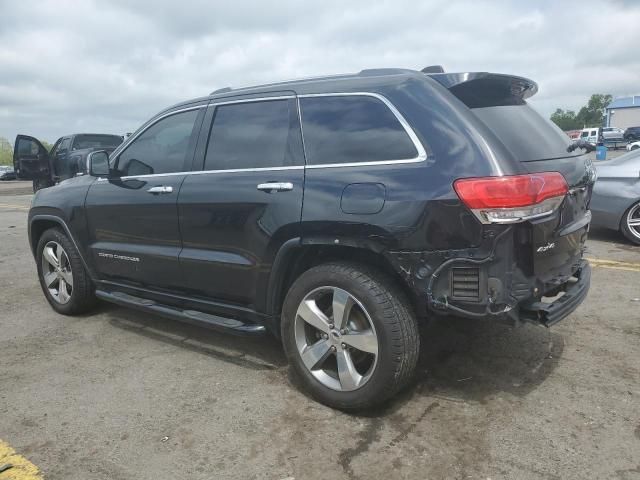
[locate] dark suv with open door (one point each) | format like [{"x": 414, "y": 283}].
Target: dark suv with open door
[
  {"x": 67, "y": 158},
  {"x": 336, "y": 213}
]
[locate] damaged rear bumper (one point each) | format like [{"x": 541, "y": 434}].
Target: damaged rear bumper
[
  {"x": 575, "y": 292},
  {"x": 495, "y": 281}
]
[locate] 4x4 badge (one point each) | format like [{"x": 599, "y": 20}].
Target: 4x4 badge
[{"x": 546, "y": 247}]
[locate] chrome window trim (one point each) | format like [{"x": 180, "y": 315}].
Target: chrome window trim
[
  {"x": 422, "y": 154},
  {"x": 124, "y": 145},
  {"x": 216, "y": 103},
  {"x": 202, "y": 172}
]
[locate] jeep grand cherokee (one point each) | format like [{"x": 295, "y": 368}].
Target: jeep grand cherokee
[{"x": 335, "y": 213}]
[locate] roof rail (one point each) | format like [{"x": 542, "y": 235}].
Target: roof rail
[{"x": 364, "y": 73}]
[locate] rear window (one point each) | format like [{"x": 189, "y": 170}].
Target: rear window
[
  {"x": 95, "y": 141},
  {"x": 525, "y": 133},
  {"x": 352, "y": 129}
]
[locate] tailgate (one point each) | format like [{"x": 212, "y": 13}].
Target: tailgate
[
  {"x": 538, "y": 145},
  {"x": 558, "y": 242}
]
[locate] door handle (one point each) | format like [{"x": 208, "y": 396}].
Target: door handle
[
  {"x": 275, "y": 187},
  {"x": 160, "y": 189}
]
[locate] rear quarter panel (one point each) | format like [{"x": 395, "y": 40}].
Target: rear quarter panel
[{"x": 421, "y": 210}]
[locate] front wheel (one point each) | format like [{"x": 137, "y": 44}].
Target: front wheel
[
  {"x": 630, "y": 223},
  {"x": 350, "y": 335},
  {"x": 63, "y": 278}
]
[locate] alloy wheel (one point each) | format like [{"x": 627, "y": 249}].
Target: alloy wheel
[
  {"x": 56, "y": 272},
  {"x": 633, "y": 220},
  {"x": 336, "y": 338}
]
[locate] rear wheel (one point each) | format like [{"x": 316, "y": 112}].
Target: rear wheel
[
  {"x": 350, "y": 335},
  {"x": 63, "y": 279},
  {"x": 630, "y": 223}
]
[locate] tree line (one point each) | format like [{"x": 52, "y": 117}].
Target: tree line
[{"x": 588, "y": 116}]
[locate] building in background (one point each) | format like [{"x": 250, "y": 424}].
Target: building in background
[{"x": 624, "y": 112}]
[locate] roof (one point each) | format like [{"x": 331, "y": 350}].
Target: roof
[
  {"x": 625, "y": 102},
  {"x": 318, "y": 79},
  {"x": 370, "y": 80},
  {"x": 366, "y": 79}
]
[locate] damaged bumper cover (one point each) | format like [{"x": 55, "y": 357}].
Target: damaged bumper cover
[
  {"x": 502, "y": 287},
  {"x": 574, "y": 291}
]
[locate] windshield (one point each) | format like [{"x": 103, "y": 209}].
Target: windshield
[
  {"x": 96, "y": 141},
  {"x": 526, "y": 134}
]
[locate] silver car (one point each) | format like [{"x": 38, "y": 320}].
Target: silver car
[
  {"x": 615, "y": 203},
  {"x": 612, "y": 133}
]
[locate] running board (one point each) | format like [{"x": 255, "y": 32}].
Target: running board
[{"x": 222, "y": 324}]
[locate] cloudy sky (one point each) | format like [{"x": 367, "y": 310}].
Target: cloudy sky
[{"x": 107, "y": 66}]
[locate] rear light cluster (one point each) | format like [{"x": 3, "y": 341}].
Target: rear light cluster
[{"x": 512, "y": 198}]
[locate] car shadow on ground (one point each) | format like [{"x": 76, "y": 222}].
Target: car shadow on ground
[
  {"x": 607, "y": 235},
  {"x": 464, "y": 360},
  {"x": 613, "y": 237},
  {"x": 461, "y": 360},
  {"x": 258, "y": 353}
]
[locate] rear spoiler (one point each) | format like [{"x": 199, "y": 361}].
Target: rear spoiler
[{"x": 484, "y": 89}]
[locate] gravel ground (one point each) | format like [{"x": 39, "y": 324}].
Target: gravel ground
[{"x": 122, "y": 395}]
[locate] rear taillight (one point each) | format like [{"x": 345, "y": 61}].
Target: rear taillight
[{"x": 512, "y": 198}]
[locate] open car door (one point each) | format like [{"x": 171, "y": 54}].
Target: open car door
[{"x": 30, "y": 159}]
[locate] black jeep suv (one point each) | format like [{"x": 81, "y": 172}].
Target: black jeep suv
[{"x": 335, "y": 213}]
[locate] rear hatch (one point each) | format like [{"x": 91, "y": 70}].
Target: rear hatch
[{"x": 499, "y": 102}]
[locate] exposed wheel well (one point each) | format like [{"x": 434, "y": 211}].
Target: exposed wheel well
[
  {"x": 306, "y": 257},
  {"x": 38, "y": 227}
]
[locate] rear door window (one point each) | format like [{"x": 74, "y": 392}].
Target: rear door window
[
  {"x": 252, "y": 135},
  {"x": 352, "y": 129}
]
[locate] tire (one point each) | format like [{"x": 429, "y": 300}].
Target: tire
[
  {"x": 632, "y": 232},
  {"x": 378, "y": 307},
  {"x": 635, "y": 147},
  {"x": 79, "y": 296}
]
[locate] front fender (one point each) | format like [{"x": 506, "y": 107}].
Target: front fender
[{"x": 62, "y": 205}]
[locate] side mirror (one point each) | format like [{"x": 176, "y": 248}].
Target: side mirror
[{"x": 98, "y": 164}]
